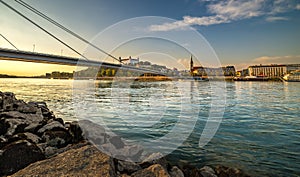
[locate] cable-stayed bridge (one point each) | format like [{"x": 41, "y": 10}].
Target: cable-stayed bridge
[
  {"x": 19, "y": 55},
  {"x": 25, "y": 56}
]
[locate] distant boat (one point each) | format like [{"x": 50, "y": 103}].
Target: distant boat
[
  {"x": 294, "y": 76},
  {"x": 251, "y": 78}
]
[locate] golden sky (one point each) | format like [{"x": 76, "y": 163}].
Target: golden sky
[
  {"x": 269, "y": 37},
  {"x": 31, "y": 69}
]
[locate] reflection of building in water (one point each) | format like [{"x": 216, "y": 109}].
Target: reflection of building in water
[
  {"x": 272, "y": 70},
  {"x": 207, "y": 71}
]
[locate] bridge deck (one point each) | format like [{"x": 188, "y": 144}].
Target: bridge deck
[{"x": 25, "y": 56}]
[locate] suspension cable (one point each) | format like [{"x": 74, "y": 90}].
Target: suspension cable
[
  {"x": 43, "y": 29},
  {"x": 9, "y": 42},
  {"x": 39, "y": 13}
]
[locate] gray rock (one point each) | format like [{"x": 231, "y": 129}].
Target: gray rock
[
  {"x": 16, "y": 122},
  {"x": 128, "y": 153},
  {"x": 108, "y": 149},
  {"x": 8, "y": 100},
  {"x": 47, "y": 114},
  {"x": 52, "y": 126},
  {"x": 57, "y": 138},
  {"x": 3, "y": 141},
  {"x": 191, "y": 171},
  {"x": 117, "y": 142},
  {"x": 207, "y": 171},
  {"x": 93, "y": 132},
  {"x": 23, "y": 107},
  {"x": 229, "y": 172},
  {"x": 37, "y": 117},
  {"x": 4, "y": 125},
  {"x": 132, "y": 152},
  {"x": 18, "y": 155},
  {"x": 15, "y": 126},
  {"x": 34, "y": 127},
  {"x": 155, "y": 158},
  {"x": 84, "y": 161},
  {"x": 26, "y": 136},
  {"x": 155, "y": 170},
  {"x": 40, "y": 104},
  {"x": 176, "y": 172},
  {"x": 75, "y": 131},
  {"x": 50, "y": 151},
  {"x": 127, "y": 167}
]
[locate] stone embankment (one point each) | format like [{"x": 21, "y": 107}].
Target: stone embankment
[{"x": 33, "y": 142}]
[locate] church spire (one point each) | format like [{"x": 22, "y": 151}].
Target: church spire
[{"x": 191, "y": 64}]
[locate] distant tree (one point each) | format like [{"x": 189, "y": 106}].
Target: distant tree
[
  {"x": 113, "y": 72},
  {"x": 108, "y": 72},
  {"x": 103, "y": 72}
]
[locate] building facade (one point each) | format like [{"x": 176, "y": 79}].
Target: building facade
[
  {"x": 272, "y": 70},
  {"x": 207, "y": 71},
  {"x": 267, "y": 70}
]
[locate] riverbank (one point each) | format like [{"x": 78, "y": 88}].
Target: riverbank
[{"x": 34, "y": 142}]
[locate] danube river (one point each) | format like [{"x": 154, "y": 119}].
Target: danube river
[{"x": 259, "y": 132}]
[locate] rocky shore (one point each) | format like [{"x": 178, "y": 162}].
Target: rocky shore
[{"x": 33, "y": 142}]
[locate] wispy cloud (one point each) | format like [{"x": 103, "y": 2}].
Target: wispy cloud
[
  {"x": 273, "y": 19},
  {"x": 277, "y": 59},
  {"x": 232, "y": 10},
  {"x": 298, "y": 6},
  {"x": 235, "y": 10},
  {"x": 267, "y": 60}
]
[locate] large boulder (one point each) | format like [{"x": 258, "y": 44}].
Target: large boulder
[
  {"x": 223, "y": 171},
  {"x": 32, "y": 138},
  {"x": 75, "y": 131},
  {"x": 18, "y": 155},
  {"x": 7, "y": 100},
  {"x": 152, "y": 171},
  {"x": 52, "y": 126},
  {"x": 154, "y": 158},
  {"x": 15, "y": 122},
  {"x": 189, "y": 170},
  {"x": 84, "y": 161},
  {"x": 127, "y": 167},
  {"x": 176, "y": 172},
  {"x": 57, "y": 138},
  {"x": 207, "y": 171}
]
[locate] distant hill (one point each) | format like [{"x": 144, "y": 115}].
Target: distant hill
[{"x": 13, "y": 76}]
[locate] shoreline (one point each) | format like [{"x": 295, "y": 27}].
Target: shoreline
[
  {"x": 145, "y": 79},
  {"x": 32, "y": 138}
]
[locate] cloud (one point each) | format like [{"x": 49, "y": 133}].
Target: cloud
[
  {"x": 277, "y": 59},
  {"x": 185, "y": 62},
  {"x": 235, "y": 10},
  {"x": 178, "y": 25},
  {"x": 267, "y": 60},
  {"x": 273, "y": 19},
  {"x": 189, "y": 21},
  {"x": 231, "y": 10},
  {"x": 298, "y": 6}
]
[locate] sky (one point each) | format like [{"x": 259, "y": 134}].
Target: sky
[{"x": 240, "y": 33}]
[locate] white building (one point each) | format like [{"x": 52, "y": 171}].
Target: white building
[
  {"x": 272, "y": 70},
  {"x": 267, "y": 70},
  {"x": 130, "y": 61}
]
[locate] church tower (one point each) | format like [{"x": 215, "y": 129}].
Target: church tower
[{"x": 191, "y": 65}]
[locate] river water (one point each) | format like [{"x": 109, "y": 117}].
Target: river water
[{"x": 259, "y": 132}]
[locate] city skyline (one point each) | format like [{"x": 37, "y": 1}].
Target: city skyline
[{"x": 241, "y": 33}]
